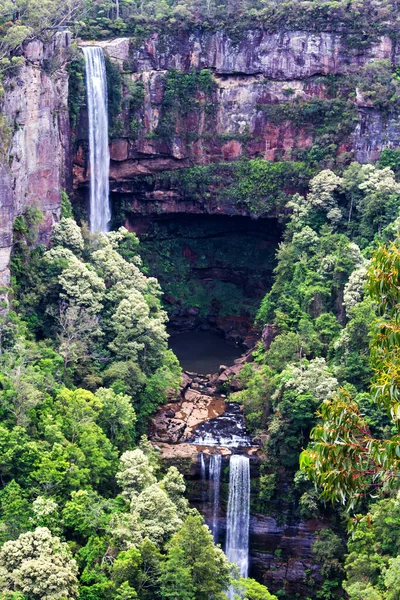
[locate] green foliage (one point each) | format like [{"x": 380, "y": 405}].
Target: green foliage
[
  {"x": 182, "y": 97},
  {"x": 135, "y": 102},
  {"x": 390, "y": 157},
  {"x": 195, "y": 569},
  {"x": 5, "y": 133},
  {"x": 372, "y": 562},
  {"x": 328, "y": 551},
  {"x": 256, "y": 184},
  {"x": 76, "y": 86},
  {"x": 66, "y": 206},
  {"x": 329, "y": 120},
  {"x": 379, "y": 85},
  {"x": 362, "y": 22},
  {"x": 252, "y": 590},
  {"x": 114, "y": 90}
]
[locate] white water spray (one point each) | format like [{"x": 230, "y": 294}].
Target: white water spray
[
  {"x": 238, "y": 518},
  {"x": 215, "y": 480},
  {"x": 96, "y": 85}
]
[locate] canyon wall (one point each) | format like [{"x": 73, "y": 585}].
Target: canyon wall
[
  {"x": 162, "y": 130},
  {"x": 35, "y": 105},
  {"x": 222, "y": 122}
]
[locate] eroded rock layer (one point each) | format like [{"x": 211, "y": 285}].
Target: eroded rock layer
[
  {"x": 159, "y": 131},
  {"x": 35, "y": 105}
]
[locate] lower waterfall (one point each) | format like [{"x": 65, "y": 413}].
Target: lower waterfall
[
  {"x": 238, "y": 517},
  {"x": 215, "y": 478},
  {"x": 203, "y": 477}
]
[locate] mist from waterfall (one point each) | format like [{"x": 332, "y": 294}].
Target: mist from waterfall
[
  {"x": 238, "y": 517},
  {"x": 215, "y": 481},
  {"x": 96, "y": 86}
]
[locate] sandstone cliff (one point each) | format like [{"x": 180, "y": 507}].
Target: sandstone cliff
[
  {"x": 232, "y": 120},
  {"x": 36, "y": 109}
]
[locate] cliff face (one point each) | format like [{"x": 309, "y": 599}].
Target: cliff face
[
  {"x": 35, "y": 106},
  {"x": 164, "y": 131}
]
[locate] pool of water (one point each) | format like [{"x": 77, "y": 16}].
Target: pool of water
[{"x": 203, "y": 351}]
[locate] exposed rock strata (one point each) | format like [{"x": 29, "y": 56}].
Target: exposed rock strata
[
  {"x": 283, "y": 55},
  {"x": 35, "y": 106},
  {"x": 257, "y": 70}
]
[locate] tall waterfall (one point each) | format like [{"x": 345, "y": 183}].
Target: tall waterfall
[
  {"x": 215, "y": 478},
  {"x": 96, "y": 85},
  {"x": 238, "y": 518}
]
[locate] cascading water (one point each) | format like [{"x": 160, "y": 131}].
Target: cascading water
[
  {"x": 96, "y": 85},
  {"x": 238, "y": 517},
  {"x": 215, "y": 481},
  {"x": 203, "y": 477},
  {"x": 226, "y": 430}
]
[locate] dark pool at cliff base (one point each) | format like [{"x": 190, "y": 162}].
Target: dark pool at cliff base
[{"x": 203, "y": 351}]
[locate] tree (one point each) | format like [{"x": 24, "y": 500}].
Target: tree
[
  {"x": 252, "y": 590},
  {"x": 78, "y": 330},
  {"x": 176, "y": 579},
  {"x": 87, "y": 513},
  {"x": 139, "y": 335},
  {"x": 126, "y": 567},
  {"x": 39, "y": 566},
  {"x": 158, "y": 515},
  {"x": 117, "y": 417},
  {"x": 15, "y": 511},
  {"x": 136, "y": 473},
  {"x": 344, "y": 458},
  {"x": 22, "y": 383},
  {"x": 66, "y": 233},
  {"x": 149, "y": 575},
  {"x": 195, "y": 567},
  {"x": 392, "y": 579}
]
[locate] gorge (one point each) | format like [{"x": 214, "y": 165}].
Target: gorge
[
  {"x": 237, "y": 520},
  {"x": 197, "y": 217}
]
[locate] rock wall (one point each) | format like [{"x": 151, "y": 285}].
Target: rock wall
[
  {"x": 252, "y": 73},
  {"x": 36, "y": 108}
]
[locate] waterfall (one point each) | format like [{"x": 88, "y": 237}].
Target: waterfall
[
  {"x": 203, "y": 477},
  {"x": 215, "y": 478},
  {"x": 237, "y": 525},
  {"x": 96, "y": 85}
]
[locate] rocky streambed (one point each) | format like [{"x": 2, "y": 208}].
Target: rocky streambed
[
  {"x": 201, "y": 420},
  {"x": 199, "y": 424}
]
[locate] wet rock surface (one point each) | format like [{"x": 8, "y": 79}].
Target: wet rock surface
[
  {"x": 201, "y": 417},
  {"x": 226, "y": 430},
  {"x": 176, "y": 422}
]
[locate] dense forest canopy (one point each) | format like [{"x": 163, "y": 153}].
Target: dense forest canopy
[{"x": 363, "y": 19}]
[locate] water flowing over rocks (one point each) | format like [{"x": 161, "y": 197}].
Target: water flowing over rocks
[
  {"x": 237, "y": 524},
  {"x": 196, "y": 432},
  {"x": 201, "y": 417}
]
